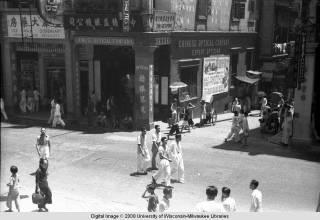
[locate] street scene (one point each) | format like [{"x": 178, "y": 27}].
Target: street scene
[{"x": 205, "y": 106}]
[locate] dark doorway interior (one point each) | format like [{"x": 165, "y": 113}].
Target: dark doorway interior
[
  {"x": 117, "y": 77},
  {"x": 84, "y": 85}
]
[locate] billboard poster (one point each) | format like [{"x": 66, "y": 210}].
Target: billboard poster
[
  {"x": 215, "y": 75},
  {"x": 32, "y": 26}
]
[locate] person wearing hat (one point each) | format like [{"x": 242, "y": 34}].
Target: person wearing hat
[
  {"x": 177, "y": 160},
  {"x": 153, "y": 200},
  {"x": 43, "y": 145},
  {"x": 164, "y": 165},
  {"x": 143, "y": 155}
]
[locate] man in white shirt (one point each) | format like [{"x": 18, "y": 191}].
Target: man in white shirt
[
  {"x": 164, "y": 171},
  {"x": 229, "y": 204},
  {"x": 156, "y": 140},
  {"x": 57, "y": 116},
  {"x": 143, "y": 156},
  {"x": 256, "y": 197},
  {"x": 43, "y": 145},
  {"x": 210, "y": 205},
  {"x": 177, "y": 166}
]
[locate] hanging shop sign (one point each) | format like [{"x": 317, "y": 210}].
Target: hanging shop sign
[
  {"x": 205, "y": 45},
  {"x": 163, "y": 21},
  {"x": 125, "y": 16},
  {"x": 215, "y": 75},
  {"x": 52, "y": 10},
  {"x": 32, "y": 26}
]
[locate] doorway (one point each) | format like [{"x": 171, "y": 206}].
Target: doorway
[{"x": 117, "y": 67}]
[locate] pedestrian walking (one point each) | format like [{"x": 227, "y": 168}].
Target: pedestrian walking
[
  {"x": 164, "y": 204},
  {"x": 177, "y": 167},
  {"x": 256, "y": 197},
  {"x": 3, "y": 111},
  {"x": 14, "y": 185},
  {"x": 57, "y": 116},
  {"x": 236, "y": 106},
  {"x": 152, "y": 198},
  {"x": 235, "y": 128},
  {"x": 156, "y": 141},
  {"x": 36, "y": 99},
  {"x": 23, "y": 101},
  {"x": 229, "y": 204},
  {"x": 174, "y": 112},
  {"x": 287, "y": 128},
  {"x": 43, "y": 145},
  {"x": 42, "y": 185},
  {"x": 263, "y": 105},
  {"x": 210, "y": 205},
  {"x": 52, "y": 110},
  {"x": 164, "y": 171},
  {"x": 143, "y": 156},
  {"x": 203, "y": 112},
  {"x": 245, "y": 128}
]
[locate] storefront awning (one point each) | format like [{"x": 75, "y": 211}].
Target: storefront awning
[
  {"x": 256, "y": 73},
  {"x": 247, "y": 79}
]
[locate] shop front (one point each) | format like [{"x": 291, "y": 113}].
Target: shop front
[
  {"x": 204, "y": 62},
  {"x": 33, "y": 57}
]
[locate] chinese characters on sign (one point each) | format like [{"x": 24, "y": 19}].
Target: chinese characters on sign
[
  {"x": 40, "y": 29},
  {"x": 126, "y": 16},
  {"x": 151, "y": 88},
  {"x": 215, "y": 75},
  {"x": 143, "y": 92},
  {"x": 93, "y": 22},
  {"x": 163, "y": 21}
]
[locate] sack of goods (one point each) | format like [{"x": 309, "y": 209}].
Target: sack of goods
[{"x": 37, "y": 198}]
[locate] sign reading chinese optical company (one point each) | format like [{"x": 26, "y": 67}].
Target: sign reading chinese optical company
[
  {"x": 33, "y": 26},
  {"x": 215, "y": 75},
  {"x": 163, "y": 21},
  {"x": 118, "y": 41}
]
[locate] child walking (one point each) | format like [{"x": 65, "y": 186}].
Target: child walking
[
  {"x": 152, "y": 198},
  {"x": 13, "y": 189}
]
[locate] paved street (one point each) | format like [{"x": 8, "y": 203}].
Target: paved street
[{"x": 91, "y": 172}]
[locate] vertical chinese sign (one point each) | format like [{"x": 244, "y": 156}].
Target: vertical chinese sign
[{"x": 126, "y": 16}]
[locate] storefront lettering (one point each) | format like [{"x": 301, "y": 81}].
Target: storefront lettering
[
  {"x": 163, "y": 21},
  {"x": 82, "y": 22},
  {"x": 104, "y": 41},
  {"x": 33, "y": 26},
  {"x": 162, "y": 41},
  {"x": 203, "y": 43}
]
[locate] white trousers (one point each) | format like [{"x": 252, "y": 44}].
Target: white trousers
[
  {"x": 58, "y": 120},
  {"x": 44, "y": 152},
  {"x": 178, "y": 168},
  {"x": 142, "y": 163},
  {"x": 164, "y": 172}
]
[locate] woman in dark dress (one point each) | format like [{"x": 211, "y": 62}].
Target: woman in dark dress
[{"x": 42, "y": 184}]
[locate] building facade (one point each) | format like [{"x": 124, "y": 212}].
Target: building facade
[{"x": 133, "y": 50}]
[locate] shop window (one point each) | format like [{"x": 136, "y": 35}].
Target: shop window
[
  {"x": 188, "y": 75},
  {"x": 238, "y": 9}
]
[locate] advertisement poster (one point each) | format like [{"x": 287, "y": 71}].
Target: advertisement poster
[
  {"x": 33, "y": 26},
  {"x": 215, "y": 75}
]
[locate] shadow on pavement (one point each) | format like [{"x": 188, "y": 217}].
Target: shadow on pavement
[
  {"x": 4, "y": 198},
  {"x": 259, "y": 145}
]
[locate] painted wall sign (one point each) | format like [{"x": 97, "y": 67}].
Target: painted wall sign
[
  {"x": 40, "y": 29},
  {"x": 120, "y": 41},
  {"x": 108, "y": 21},
  {"x": 52, "y": 10},
  {"x": 208, "y": 45},
  {"x": 215, "y": 75},
  {"x": 163, "y": 21}
]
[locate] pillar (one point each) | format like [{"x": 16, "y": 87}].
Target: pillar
[
  {"x": 7, "y": 75},
  {"x": 69, "y": 76},
  {"x": 76, "y": 79},
  {"x": 303, "y": 100},
  {"x": 143, "y": 109}
]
